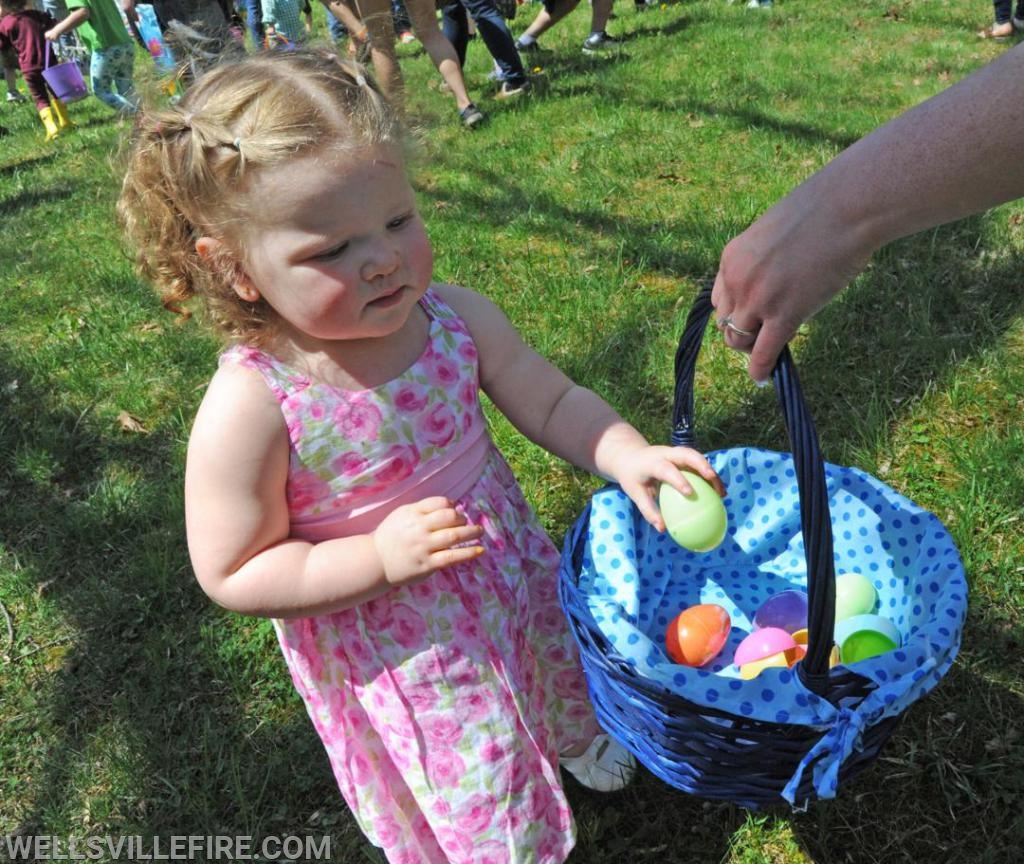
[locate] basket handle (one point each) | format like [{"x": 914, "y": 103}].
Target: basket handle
[{"x": 815, "y": 519}]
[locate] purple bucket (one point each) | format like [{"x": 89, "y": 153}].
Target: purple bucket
[{"x": 65, "y": 80}]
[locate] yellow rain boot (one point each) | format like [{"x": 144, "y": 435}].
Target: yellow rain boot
[
  {"x": 60, "y": 112},
  {"x": 46, "y": 115}
]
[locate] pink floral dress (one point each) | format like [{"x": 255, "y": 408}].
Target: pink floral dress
[{"x": 442, "y": 705}]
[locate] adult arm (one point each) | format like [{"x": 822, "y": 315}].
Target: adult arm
[{"x": 953, "y": 155}]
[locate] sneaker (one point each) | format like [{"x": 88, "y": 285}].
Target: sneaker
[
  {"x": 605, "y": 766},
  {"x": 597, "y": 42},
  {"x": 471, "y": 116},
  {"x": 1018, "y": 23},
  {"x": 15, "y": 96},
  {"x": 406, "y": 38},
  {"x": 509, "y": 90}
]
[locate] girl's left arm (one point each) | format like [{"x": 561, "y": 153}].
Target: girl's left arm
[{"x": 566, "y": 419}]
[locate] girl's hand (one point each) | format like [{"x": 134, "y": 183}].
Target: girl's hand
[
  {"x": 417, "y": 539},
  {"x": 642, "y": 470}
]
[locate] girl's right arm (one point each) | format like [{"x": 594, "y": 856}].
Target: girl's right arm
[{"x": 237, "y": 521}]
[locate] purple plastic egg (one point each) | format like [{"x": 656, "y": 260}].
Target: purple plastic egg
[{"x": 786, "y": 610}]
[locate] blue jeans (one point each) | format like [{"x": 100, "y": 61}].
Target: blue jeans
[
  {"x": 493, "y": 30},
  {"x": 335, "y": 27},
  {"x": 1003, "y": 8},
  {"x": 254, "y": 22},
  {"x": 112, "y": 67}
]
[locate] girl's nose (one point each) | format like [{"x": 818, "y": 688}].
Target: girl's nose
[{"x": 384, "y": 258}]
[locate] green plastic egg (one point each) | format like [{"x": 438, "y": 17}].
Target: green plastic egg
[
  {"x": 855, "y": 595},
  {"x": 697, "y": 521}
]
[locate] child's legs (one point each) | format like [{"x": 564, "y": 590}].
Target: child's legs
[
  {"x": 455, "y": 25},
  {"x": 110, "y": 68},
  {"x": 37, "y": 88},
  {"x": 423, "y": 14},
  {"x": 10, "y": 63}
]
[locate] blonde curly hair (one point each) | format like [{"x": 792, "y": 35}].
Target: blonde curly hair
[{"x": 190, "y": 166}]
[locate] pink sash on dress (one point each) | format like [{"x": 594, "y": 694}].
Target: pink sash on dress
[{"x": 452, "y": 479}]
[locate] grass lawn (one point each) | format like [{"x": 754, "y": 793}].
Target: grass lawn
[{"x": 591, "y": 211}]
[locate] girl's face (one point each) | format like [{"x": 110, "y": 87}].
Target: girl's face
[{"x": 336, "y": 247}]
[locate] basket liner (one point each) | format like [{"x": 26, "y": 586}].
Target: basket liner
[{"x": 633, "y": 581}]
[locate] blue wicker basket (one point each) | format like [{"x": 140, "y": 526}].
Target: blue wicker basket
[{"x": 788, "y": 735}]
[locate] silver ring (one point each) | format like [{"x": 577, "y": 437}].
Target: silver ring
[{"x": 726, "y": 324}]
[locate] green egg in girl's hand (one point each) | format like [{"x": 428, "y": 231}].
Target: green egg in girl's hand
[{"x": 697, "y": 521}]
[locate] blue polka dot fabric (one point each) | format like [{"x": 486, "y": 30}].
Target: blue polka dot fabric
[{"x": 636, "y": 580}]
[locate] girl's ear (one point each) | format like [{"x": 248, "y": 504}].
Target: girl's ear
[{"x": 209, "y": 249}]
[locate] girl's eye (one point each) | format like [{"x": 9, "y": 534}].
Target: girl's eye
[
  {"x": 331, "y": 253},
  {"x": 400, "y": 221}
]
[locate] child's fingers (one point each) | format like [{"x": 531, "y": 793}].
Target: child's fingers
[
  {"x": 645, "y": 503},
  {"x": 457, "y": 555},
  {"x": 450, "y": 537},
  {"x": 692, "y": 460},
  {"x": 432, "y": 505}
]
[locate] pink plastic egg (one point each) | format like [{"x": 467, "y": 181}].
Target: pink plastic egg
[{"x": 763, "y": 643}]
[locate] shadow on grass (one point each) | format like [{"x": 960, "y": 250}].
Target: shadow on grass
[
  {"x": 138, "y": 716},
  {"x": 27, "y": 164},
  {"x": 10, "y": 207}
]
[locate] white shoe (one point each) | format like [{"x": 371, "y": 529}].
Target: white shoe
[
  {"x": 14, "y": 97},
  {"x": 605, "y": 766}
]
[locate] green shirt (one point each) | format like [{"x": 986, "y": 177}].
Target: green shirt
[{"x": 104, "y": 27}]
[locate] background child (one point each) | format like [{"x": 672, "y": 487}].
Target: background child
[
  {"x": 24, "y": 30},
  {"x": 101, "y": 28},
  {"x": 340, "y": 476},
  {"x": 282, "y": 19}
]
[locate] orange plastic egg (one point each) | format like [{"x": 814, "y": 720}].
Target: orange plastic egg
[{"x": 697, "y": 634}]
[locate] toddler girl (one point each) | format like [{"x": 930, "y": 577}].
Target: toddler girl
[{"x": 340, "y": 478}]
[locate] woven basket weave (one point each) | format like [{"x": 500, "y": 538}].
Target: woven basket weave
[{"x": 787, "y": 735}]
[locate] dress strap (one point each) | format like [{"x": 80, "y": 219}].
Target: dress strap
[
  {"x": 436, "y": 307},
  {"x": 282, "y": 381}
]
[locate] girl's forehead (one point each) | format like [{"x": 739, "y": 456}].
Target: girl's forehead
[{"x": 313, "y": 187}]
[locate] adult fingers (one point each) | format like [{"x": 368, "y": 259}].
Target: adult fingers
[{"x": 764, "y": 353}]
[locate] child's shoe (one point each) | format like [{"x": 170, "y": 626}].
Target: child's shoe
[
  {"x": 605, "y": 766},
  {"x": 14, "y": 96},
  {"x": 595, "y": 43},
  {"x": 508, "y": 90},
  {"x": 471, "y": 116},
  {"x": 46, "y": 115},
  {"x": 530, "y": 48}
]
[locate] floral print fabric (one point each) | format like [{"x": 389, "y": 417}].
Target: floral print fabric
[{"x": 442, "y": 705}]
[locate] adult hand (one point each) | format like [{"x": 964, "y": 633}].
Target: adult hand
[
  {"x": 416, "y": 539},
  {"x": 781, "y": 270}
]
